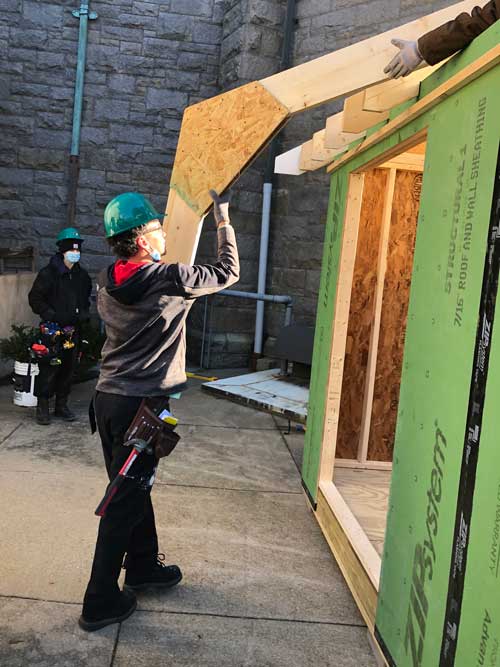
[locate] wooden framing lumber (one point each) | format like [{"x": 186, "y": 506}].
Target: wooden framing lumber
[
  {"x": 320, "y": 152},
  {"x": 408, "y": 161},
  {"x": 350, "y": 69},
  {"x": 308, "y": 162},
  {"x": 221, "y": 136},
  {"x": 356, "y": 119},
  {"x": 472, "y": 71},
  {"x": 388, "y": 94},
  {"x": 335, "y": 137},
  {"x": 355, "y": 555},
  {"x": 288, "y": 163},
  {"x": 375, "y": 331},
  {"x": 342, "y": 305}
]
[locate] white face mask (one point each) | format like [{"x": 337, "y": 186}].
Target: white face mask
[{"x": 72, "y": 256}]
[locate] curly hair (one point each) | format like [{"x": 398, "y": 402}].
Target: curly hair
[{"x": 124, "y": 245}]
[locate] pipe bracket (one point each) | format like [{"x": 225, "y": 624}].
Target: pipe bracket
[{"x": 77, "y": 13}]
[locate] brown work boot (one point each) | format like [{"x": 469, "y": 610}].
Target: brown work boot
[{"x": 42, "y": 411}]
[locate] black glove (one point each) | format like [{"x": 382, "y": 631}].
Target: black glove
[{"x": 221, "y": 205}]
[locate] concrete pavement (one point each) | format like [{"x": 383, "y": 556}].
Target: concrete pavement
[{"x": 260, "y": 585}]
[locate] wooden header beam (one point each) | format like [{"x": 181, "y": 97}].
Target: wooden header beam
[{"x": 221, "y": 136}]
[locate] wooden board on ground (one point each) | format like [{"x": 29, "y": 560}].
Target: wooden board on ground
[
  {"x": 396, "y": 294},
  {"x": 267, "y": 391},
  {"x": 361, "y": 314}
]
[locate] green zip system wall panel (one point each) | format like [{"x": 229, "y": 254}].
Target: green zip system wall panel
[{"x": 438, "y": 600}]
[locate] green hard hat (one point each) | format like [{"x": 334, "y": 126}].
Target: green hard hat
[
  {"x": 127, "y": 211},
  {"x": 68, "y": 233}
]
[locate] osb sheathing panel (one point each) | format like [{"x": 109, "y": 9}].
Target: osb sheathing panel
[
  {"x": 219, "y": 138},
  {"x": 361, "y": 314},
  {"x": 393, "y": 316}
]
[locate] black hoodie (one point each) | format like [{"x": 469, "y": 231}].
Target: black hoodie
[
  {"x": 145, "y": 318},
  {"x": 60, "y": 294}
]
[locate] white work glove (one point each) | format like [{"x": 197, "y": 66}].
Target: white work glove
[
  {"x": 406, "y": 61},
  {"x": 221, "y": 206}
]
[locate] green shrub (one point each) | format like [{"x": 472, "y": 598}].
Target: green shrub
[{"x": 16, "y": 347}]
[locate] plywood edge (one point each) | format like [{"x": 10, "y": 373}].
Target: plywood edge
[
  {"x": 340, "y": 541},
  {"x": 468, "y": 74}
]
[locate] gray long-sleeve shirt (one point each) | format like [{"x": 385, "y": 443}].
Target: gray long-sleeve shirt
[{"x": 145, "y": 319}]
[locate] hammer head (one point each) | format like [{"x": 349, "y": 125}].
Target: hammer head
[{"x": 139, "y": 445}]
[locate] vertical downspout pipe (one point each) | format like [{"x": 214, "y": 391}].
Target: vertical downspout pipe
[
  {"x": 74, "y": 159},
  {"x": 268, "y": 188}
]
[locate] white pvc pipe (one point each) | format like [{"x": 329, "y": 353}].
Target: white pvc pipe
[{"x": 261, "y": 284}]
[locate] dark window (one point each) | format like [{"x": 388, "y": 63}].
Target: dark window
[{"x": 16, "y": 261}]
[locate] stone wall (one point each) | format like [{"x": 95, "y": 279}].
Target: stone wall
[{"x": 147, "y": 60}]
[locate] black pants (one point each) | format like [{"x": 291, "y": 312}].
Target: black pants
[
  {"x": 129, "y": 525},
  {"x": 56, "y": 379}
]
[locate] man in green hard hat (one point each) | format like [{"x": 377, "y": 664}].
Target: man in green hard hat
[
  {"x": 144, "y": 304},
  {"x": 60, "y": 295}
]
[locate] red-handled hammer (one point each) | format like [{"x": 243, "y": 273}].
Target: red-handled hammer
[{"x": 138, "y": 447}]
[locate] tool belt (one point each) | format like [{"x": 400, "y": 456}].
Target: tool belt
[
  {"x": 148, "y": 425},
  {"x": 50, "y": 342}
]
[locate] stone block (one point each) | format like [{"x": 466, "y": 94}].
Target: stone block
[
  {"x": 122, "y": 83},
  {"x": 126, "y": 34},
  {"x": 192, "y": 61},
  {"x": 39, "y": 158},
  {"x": 131, "y": 134},
  {"x": 50, "y": 177},
  {"x": 207, "y": 33},
  {"x": 17, "y": 177},
  {"x": 158, "y": 99},
  {"x": 53, "y": 121},
  {"x": 146, "y": 8},
  {"x": 131, "y": 48},
  {"x": 192, "y": 7},
  {"x": 10, "y": 5},
  {"x": 174, "y": 26},
  {"x": 111, "y": 109},
  {"x": 96, "y": 136},
  {"x": 48, "y": 16},
  {"x": 52, "y": 138}
]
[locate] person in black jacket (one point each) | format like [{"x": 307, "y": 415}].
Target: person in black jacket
[
  {"x": 60, "y": 294},
  {"x": 144, "y": 304}
]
